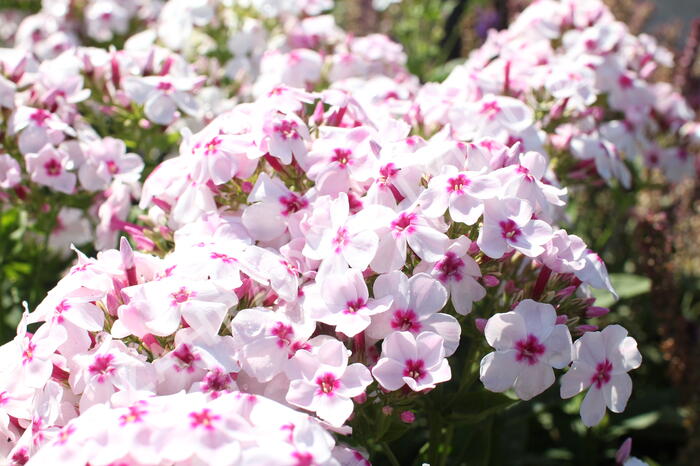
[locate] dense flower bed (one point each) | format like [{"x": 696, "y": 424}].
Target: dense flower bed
[{"x": 333, "y": 240}]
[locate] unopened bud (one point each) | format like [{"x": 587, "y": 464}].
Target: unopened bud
[
  {"x": 490, "y": 281},
  {"x": 596, "y": 311},
  {"x": 408, "y": 417},
  {"x": 480, "y": 324}
]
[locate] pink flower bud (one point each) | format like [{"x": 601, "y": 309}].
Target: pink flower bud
[
  {"x": 480, "y": 324},
  {"x": 566, "y": 292},
  {"x": 473, "y": 249},
  {"x": 490, "y": 281},
  {"x": 387, "y": 410},
  {"x": 596, "y": 311},
  {"x": 586, "y": 328},
  {"x": 408, "y": 417},
  {"x": 561, "y": 320},
  {"x": 246, "y": 187},
  {"x": 510, "y": 287},
  {"x": 361, "y": 398},
  {"x": 624, "y": 452}
]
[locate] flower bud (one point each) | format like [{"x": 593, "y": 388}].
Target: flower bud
[{"x": 408, "y": 417}]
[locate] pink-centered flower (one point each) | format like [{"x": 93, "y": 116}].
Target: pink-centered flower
[
  {"x": 323, "y": 381},
  {"x": 416, "y": 361},
  {"x": 528, "y": 344},
  {"x": 601, "y": 361}
]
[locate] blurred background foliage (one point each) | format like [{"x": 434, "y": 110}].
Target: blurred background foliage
[{"x": 648, "y": 237}]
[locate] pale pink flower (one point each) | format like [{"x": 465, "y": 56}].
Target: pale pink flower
[
  {"x": 528, "y": 345},
  {"x": 415, "y": 308},
  {"x": 322, "y": 381},
  {"x": 418, "y": 362},
  {"x": 50, "y": 167},
  {"x": 601, "y": 361}
]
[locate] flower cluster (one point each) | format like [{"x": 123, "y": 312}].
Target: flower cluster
[
  {"x": 567, "y": 77},
  {"x": 328, "y": 236}
]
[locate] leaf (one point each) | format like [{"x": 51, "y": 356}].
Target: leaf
[{"x": 627, "y": 285}]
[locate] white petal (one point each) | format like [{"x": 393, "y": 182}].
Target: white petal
[
  {"x": 533, "y": 380},
  {"x": 617, "y": 392},
  {"x": 498, "y": 370},
  {"x": 576, "y": 380},
  {"x": 503, "y": 330},
  {"x": 593, "y": 407}
]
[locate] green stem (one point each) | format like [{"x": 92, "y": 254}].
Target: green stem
[{"x": 390, "y": 454}]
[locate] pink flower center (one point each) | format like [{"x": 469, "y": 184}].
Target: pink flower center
[
  {"x": 450, "y": 268},
  {"x": 342, "y": 156},
  {"x": 62, "y": 307},
  {"x": 180, "y": 296},
  {"x": 186, "y": 358},
  {"x": 405, "y": 320},
  {"x": 283, "y": 333},
  {"x": 112, "y": 167},
  {"x": 602, "y": 374},
  {"x": 351, "y": 307},
  {"x": 216, "y": 381},
  {"x": 490, "y": 109},
  {"x": 204, "y": 419},
  {"x": 405, "y": 222},
  {"x": 387, "y": 171},
  {"x": 65, "y": 434},
  {"x": 458, "y": 184},
  {"x": 165, "y": 87},
  {"x": 525, "y": 172},
  {"x": 39, "y": 117},
  {"x": 4, "y": 398},
  {"x": 52, "y": 167},
  {"x": 529, "y": 350},
  {"x": 625, "y": 81},
  {"x": 292, "y": 203},
  {"x": 327, "y": 384},
  {"x": 287, "y": 129},
  {"x": 509, "y": 230},
  {"x": 212, "y": 147},
  {"x": 303, "y": 458},
  {"x": 341, "y": 239},
  {"x": 102, "y": 367},
  {"x": 414, "y": 369},
  {"x": 134, "y": 415},
  {"x": 28, "y": 353}
]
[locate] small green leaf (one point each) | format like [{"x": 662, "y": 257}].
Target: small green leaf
[{"x": 627, "y": 285}]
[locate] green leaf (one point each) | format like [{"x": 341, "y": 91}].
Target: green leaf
[{"x": 627, "y": 285}]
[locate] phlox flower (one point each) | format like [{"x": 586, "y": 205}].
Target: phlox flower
[
  {"x": 50, "y": 167},
  {"x": 415, "y": 308},
  {"x": 416, "y": 361},
  {"x": 457, "y": 271},
  {"x": 161, "y": 96},
  {"x": 601, "y": 361},
  {"x": 508, "y": 223},
  {"x": 36, "y": 128},
  {"x": 528, "y": 345},
  {"x": 342, "y": 300},
  {"x": 10, "y": 172},
  {"x": 322, "y": 381}
]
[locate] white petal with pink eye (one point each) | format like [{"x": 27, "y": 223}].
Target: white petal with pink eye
[
  {"x": 389, "y": 374},
  {"x": 533, "y": 380},
  {"x": 559, "y": 347},
  {"x": 503, "y": 330},
  {"x": 428, "y": 243},
  {"x": 618, "y": 392},
  {"x": 593, "y": 407},
  {"x": 576, "y": 380},
  {"x": 498, "y": 370},
  {"x": 539, "y": 318}
]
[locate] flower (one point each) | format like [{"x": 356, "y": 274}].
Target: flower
[
  {"x": 528, "y": 345},
  {"x": 418, "y": 362},
  {"x": 601, "y": 361}
]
